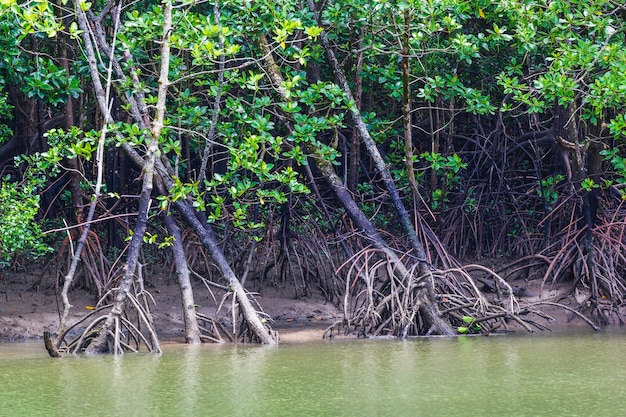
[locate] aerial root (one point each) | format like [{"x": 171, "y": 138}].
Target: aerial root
[
  {"x": 379, "y": 301},
  {"x": 128, "y": 334},
  {"x": 215, "y": 331}
]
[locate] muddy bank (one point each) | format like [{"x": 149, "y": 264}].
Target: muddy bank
[{"x": 27, "y": 311}]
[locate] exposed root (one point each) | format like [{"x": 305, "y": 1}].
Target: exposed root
[
  {"x": 596, "y": 266},
  {"x": 212, "y": 331},
  {"x": 571, "y": 310},
  {"x": 130, "y": 331},
  {"x": 380, "y": 302},
  {"x": 241, "y": 330}
]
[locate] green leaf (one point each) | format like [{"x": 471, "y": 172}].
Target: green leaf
[{"x": 85, "y": 5}]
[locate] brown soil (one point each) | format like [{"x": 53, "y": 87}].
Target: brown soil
[{"x": 26, "y": 312}]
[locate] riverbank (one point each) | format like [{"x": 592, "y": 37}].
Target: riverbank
[{"x": 26, "y": 312}]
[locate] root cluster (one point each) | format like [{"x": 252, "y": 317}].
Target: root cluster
[{"x": 379, "y": 302}]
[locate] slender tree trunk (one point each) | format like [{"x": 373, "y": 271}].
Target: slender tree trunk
[
  {"x": 355, "y": 140},
  {"x": 372, "y": 149},
  {"x": 74, "y": 171},
  {"x": 427, "y": 306},
  {"x": 208, "y": 147},
  {"x": 164, "y": 171},
  {"x": 101, "y": 342},
  {"x": 192, "y": 331},
  {"x": 406, "y": 107},
  {"x": 209, "y": 241},
  {"x": 103, "y": 97}
]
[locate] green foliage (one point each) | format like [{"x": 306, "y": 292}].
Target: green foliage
[
  {"x": 5, "y": 113},
  {"x": 588, "y": 184},
  {"x": 547, "y": 189},
  {"x": 471, "y": 326},
  {"x": 32, "y": 17},
  {"x": 38, "y": 76},
  {"x": 50, "y": 83},
  {"x": 617, "y": 126},
  {"x": 19, "y": 233},
  {"x": 446, "y": 169},
  {"x": 262, "y": 159},
  {"x": 564, "y": 52},
  {"x": 480, "y": 73},
  {"x": 618, "y": 163}
]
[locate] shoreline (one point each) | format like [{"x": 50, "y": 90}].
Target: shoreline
[{"x": 25, "y": 313}]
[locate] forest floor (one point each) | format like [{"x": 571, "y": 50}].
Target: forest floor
[{"x": 26, "y": 312}]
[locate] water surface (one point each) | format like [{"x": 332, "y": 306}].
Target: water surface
[{"x": 578, "y": 374}]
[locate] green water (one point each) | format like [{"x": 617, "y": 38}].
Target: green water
[{"x": 565, "y": 375}]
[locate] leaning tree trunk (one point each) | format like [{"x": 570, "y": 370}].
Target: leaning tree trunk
[
  {"x": 160, "y": 168},
  {"x": 373, "y": 151},
  {"x": 209, "y": 241},
  {"x": 103, "y": 342},
  {"x": 427, "y": 306}
]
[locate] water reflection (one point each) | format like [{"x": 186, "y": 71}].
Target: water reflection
[
  {"x": 189, "y": 384},
  {"x": 513, "y": 376},
  {"x": 247, "y": 368}
]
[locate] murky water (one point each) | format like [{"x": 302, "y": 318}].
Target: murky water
[{"x": 581, "y": 374}]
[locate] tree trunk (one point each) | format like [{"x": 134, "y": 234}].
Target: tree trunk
[
  {"x": 406, "y": 108},
  {"x": 355, "y": 140},
  {"x": 372, "y": 149},
  {"x": 209, "y": 241},
  {"x": 155, "y": 166},
  {"x": 102, "y": 96},
  {"x": 427, "y": 305},
  {"x": 102, "y": 342},
  {"x": 192, "y": 331},
  {"x": 74, "y": 169},
  {"x": 208, "y": 147}
]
